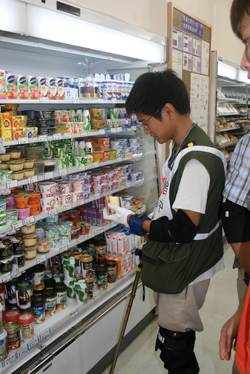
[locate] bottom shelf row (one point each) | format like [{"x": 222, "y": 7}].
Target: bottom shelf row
[{"x": 53, "y": 292}]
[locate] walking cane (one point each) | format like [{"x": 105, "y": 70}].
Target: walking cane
[{"x": 132, "y": 296}]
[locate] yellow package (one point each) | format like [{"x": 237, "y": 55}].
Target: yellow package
[
  {"x": 5, "y": 121},
  {"x": 18, "y": 122},
  {"x": 6, "y": 135},
  {"x": 18, "y": 133}
]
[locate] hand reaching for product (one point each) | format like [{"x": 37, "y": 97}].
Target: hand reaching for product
[{"x": 119, "y": 216}]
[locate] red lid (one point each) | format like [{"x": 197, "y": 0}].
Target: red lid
[
  {"x": 11, "y": 315},
  {"x": 2, "y": 288},
  {"x": 26, "y": 318}
]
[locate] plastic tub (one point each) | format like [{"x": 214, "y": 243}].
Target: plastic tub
[
  {"x": 30, "y": 252},
  {"x": 28, "y": 229},
  {"x": 29, "y": 172},
  {"x": 21, "y": 201},
  {"x": 39, "y": 167},
  {"x": 64, "y": 187},
  {"x": 15, "y": 166},
  {"x": 49, "y": 165},
  {"x": 30, "y": 239},
  {"x": 34, "y": 197},
  {"x": 3, "y": 219},
  {"x": 98, "y": 155},
  {"x": 3, "y": 206},
  {"x": 24, "y": 213},
  {"x": 29, "y": 163},
  {"x": 18, "y": 175},
  {"x": 78, "y": 186},
  {"x": 43, "y": 245},
  {"x": 4, "y": 166},
  {"x": 66, "y": 198},
  {"x": 75, "y": 232},
  {"x": 47, "y": 189},
  {"x": 5, "y": 157},
  {"x": 12, "y": 215},
  {"x": 47, "y": 204},
  {"x": 58, "y": 200},
  {"x": 77, "y": 196},
  {"x": 35, "y": 209},
  {"x": 15, "y": 154},
  {"x": 35, "y": 152}
]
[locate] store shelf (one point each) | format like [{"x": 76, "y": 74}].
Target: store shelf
[
  {"x": 45, "y": 138},
  {"x": 230, "y": 100},
  {"x": 75, "y": 100},
  {"x": 228, "y": 114},
  {"x": 40, "y": 216},
  {"x": 67, "y": 171},
  {"x": 225, "y": 145},
  {"x": 94, "y": 230},
  {"x": 227, "y": 129}
]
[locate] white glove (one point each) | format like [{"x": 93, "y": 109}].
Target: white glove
[{"x": 120, "y": 216}]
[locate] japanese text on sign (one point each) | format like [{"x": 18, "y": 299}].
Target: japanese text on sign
[{"x": 191, "y": 25}]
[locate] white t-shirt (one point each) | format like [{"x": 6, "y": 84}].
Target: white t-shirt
[{"x": 192, "y": 195}]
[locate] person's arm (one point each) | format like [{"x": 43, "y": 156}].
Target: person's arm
[
  {"x": 229, "y": 332},
  {"x": 239, "y": 121},
  {"x": 242, "y": 251}
]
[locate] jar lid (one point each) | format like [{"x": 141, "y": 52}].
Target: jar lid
[
  {"x": 38, "y": 268},
  {"x": 49, "y": 283},
  {"x": 12, "y": 282},
  {"x": 43, "y": 241},
  {"x": 12, "y": 327},
  {"x": 61, "y": 287},
  {"x": 25, "y": 318},
  {"x": 31, "y": 236},
  {"x": 32, "y": 248},
  {"x": 11, "y": 315},
  {"x": 37, "y": 299},
  {"x": 28, "y": 310},
  {"x": 90, "y": 280},
  {"x": 86, "y": 258},
  {"x": 23, "y": 286},
  {"x": 49, "y": 292},
  {"x": 101, "y": 270}
]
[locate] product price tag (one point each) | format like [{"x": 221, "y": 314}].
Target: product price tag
[
  {"x": 87, "y": 236},
  {"x": 82, "y": 167},
  {"x": 73, "y": 314},
  {"x": 29, "y": 220},
  {"x": 101, "y": 131},
  {"x": 100, "y": 101},
  {"x": 22, "y": 350},
  {"x": 43, "y": 138},
  {"x": 76, "y": 100},
  {"x": 63, "y": 248},
  {"x": 110, "y": 286},
  {"x": 6, "y": 277},
  {"x": 52, "y": 212},
  {"x": 67, "y": 136},
  {"x": 97, "y": 296},
  {"x": 63, "y": 172},
  {"x": 66, "y": 207},
  {"x": 113, "y": 130},
  {"x": 40, "y": 259},
  {"x": 11, "y": 184},
  {"x": 125, "y": 276},
  {"x": 10, "y": 359},
  {"x": 133, "y": 128},
  {"x": 119, "y": 159},
  {"x": 48, "y": 175},
  {"x": 96, "y": 164},
  {"x": 44, "y": 100},
  {"x": 32, "y": 343},
  {"x": 57, "y": 136},
  {"x": 119, "y": 129},
  {"x": 114, "y": 100},
  {"x": 84, "y": 133},
  {"x": 80, "y": 202},
  {"x": 23, "y": 140},
  {"x": 17, "y": 224},
  {"x": 33, "y": 179},
  {"x": 97, "y": 196},
  {"x": 128, "y": 184},
  {"x": 44, "y": 334}
]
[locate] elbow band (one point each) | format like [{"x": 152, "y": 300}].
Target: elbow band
[{"x": 181, "y": 228}]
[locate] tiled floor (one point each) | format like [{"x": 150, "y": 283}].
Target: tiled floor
[{"x": 221, "y": 302}]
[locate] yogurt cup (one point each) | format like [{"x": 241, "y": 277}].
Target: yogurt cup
[
  {"x": 76, "y": 196},
  {"x": 78, "y": 186},
  {"x": 47, "y": 204},
  {"x": 3, "y": 205},
  {"x": 12, "y": 215},
  {"x": 47, "y": 189},
  {"x": 3, "y": 219},
  {"x": 66, "y": 198},
  {"x": 81, "y": 291},
  {"x": 58, "y": 200},
  {"x": 64, "y": 187}
]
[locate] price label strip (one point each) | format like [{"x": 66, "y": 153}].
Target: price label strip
[
  {"x": 33, "y": 179},
  {"x": 17, "y": 224},
  {"x": 23, "y": 140},
  {"x": 32, "y": 343},
  {"x": 63, "y": 248},
  {"x": 43, "y": 138},
  {"x": 41, "y": 259},
  {"x": 67, "y": 207},
  {"x": 29, "y": 220},
  {"x": 113, "y": 130},
  {"x": 67, "y": 136},
  {"x": 44, "y": 100},
  {"x": 57, "y": 136},
  {"x": 63, "y": 172},
  {"x": 76, "y": 100},
  {"x": 49, "y": 175},
  {"x": 82, "y": 167},
  {"x": 11, "y": 184},
  {"x": 119, "y": 129},
  {"x": 101, "y": 131},
  {"x": 73, "y": 314},
  {"x": 52, "y": 212},
  {"x": 6, "y": 277},
  {"x": 44, "y": 334},
  {"x": 22, "y": 350}
]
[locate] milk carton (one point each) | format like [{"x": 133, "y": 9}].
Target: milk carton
[
  {"x": 3, "y": 90},
  {"x": 11, "y": 86},
  {"x": 33, "y": 84},
  {"x": 44, "y": 87},
  {"x": 23, "y": 88},
  {"x": 60, "y": 89},
  {"x": 52, "y": 88}
]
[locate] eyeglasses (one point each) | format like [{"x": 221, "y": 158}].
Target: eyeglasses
[{"x": 143, "y": 124}]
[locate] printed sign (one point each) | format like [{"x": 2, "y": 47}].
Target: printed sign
[{"x": 191, "y": 25}]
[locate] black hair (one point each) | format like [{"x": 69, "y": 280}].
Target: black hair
[
  {"x": 238, "y": 9},
  {"x": 152, "y": 91}
]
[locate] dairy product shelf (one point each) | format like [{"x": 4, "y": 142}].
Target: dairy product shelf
[
  {"x": 225, "y": 145},
  {"x": 45, "y": 138},
  {"x": 227, "y": 129},
  {"x": 74, "y": 100},
  {"x": 66, "y": 171},
  {"x": 38, "y": 217}
]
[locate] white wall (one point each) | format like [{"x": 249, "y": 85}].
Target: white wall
[{"x": 152, "y": 16}]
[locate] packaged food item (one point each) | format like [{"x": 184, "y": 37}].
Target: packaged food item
[
  {"x": 61, "y": 295},
  {"x": 33, "y": 87},
  {"x": 26, "y": 321},
  {"x": 44, "y": 87},
  {"x": 38, "y": 271},
  {"x": 38, "y": 305},
  {"x": 102, "y": 278},
  {"x": 23, "y": 86},
  {"x": 30, "y": 252},
  {"x": 53, "y": 88},
  {"x": 11, "y": 86},
  {"x": 23, "y": 294},
  {"x": 81, "y": 287},
  {"x": 31, "y": 132},
  {"x": 13, "y": 336},
  {"x": 43, "y": 245},
  {"x": 3, "y": 90}
]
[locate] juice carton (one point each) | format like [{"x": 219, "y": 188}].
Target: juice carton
[
  {"x": 3, "y": 90},
  {"x": 44, "y": 87},
  {"x": 11, "y": 86},
  {"x": 52, "y": 88},
  {"x": 33, "y": 83},
  {"x": 60, "y": 89},
  {"x": 23, "y": 89}
]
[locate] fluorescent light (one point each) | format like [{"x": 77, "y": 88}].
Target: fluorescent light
[
  {"x": 47, "y": 24},
  {"x": 225, "y": 70}
]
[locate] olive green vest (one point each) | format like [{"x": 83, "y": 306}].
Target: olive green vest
[{"x": 170, "y": 267}]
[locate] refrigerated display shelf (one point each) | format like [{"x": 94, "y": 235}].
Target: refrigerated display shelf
[
  {"x": 227, "y": 129},
  {"x": 45, "y": 138},
  {"x": 66, "y": 171},
  {"x": 225, "y": 145},
  {"x": 38, "y": 217},
  {"x": 94, "y": 230},
  {"x": 74, "y": 100}
]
